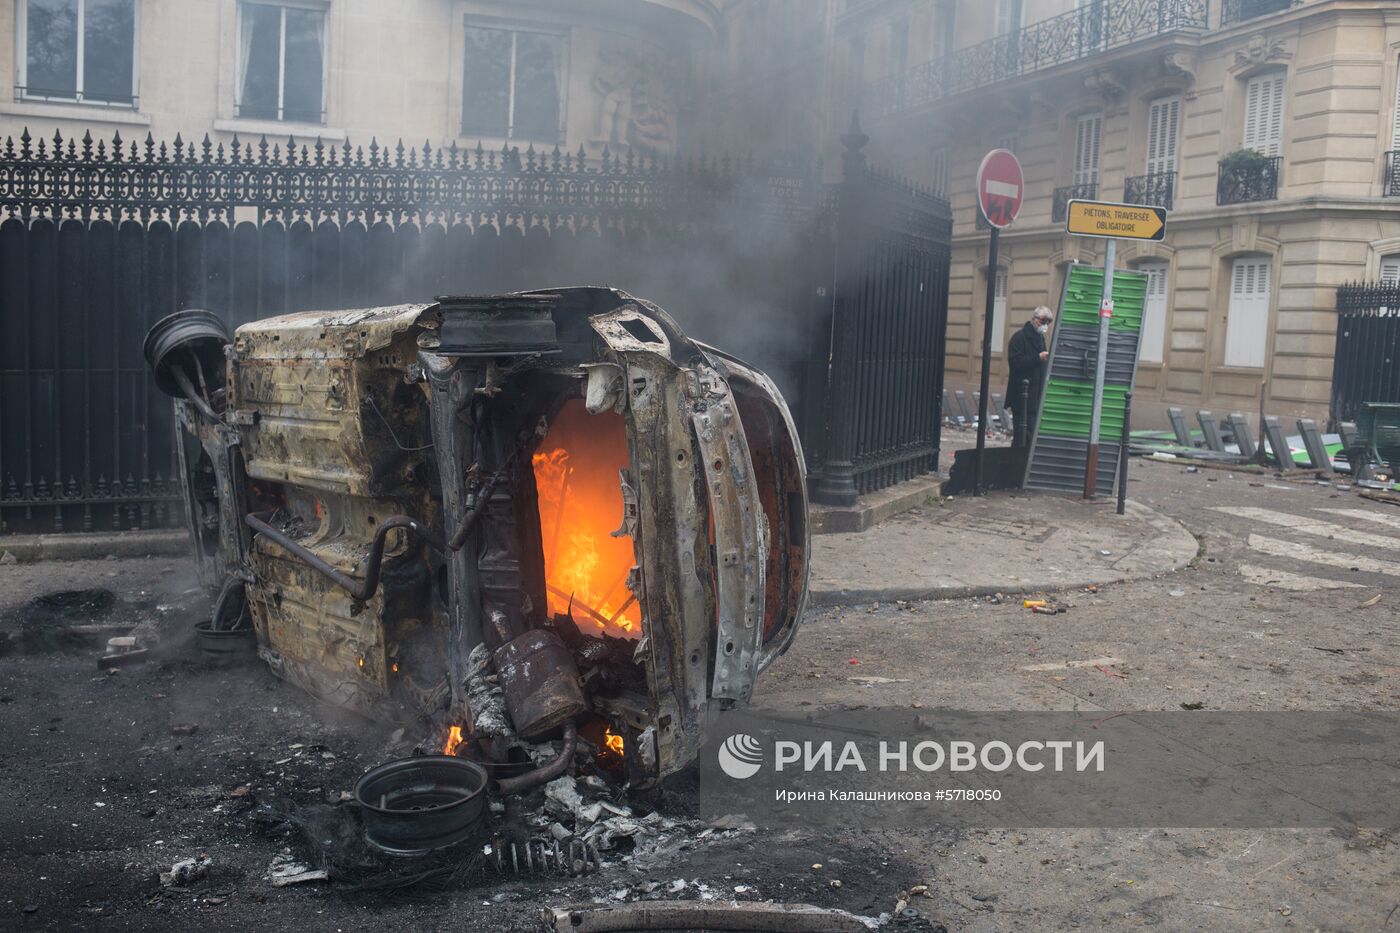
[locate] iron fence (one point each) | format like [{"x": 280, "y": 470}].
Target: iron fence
[
  {"x": 1092, "y": 28},
  {"x": 98, "y": 241},
  {"x": 1154, "y": 190},
  {"x": 1059, "y": 209},
  {"x": 1366, "y": 363},
  {"x": 1237, "y": 11},
  {"x": 1250, "y": 181},
  {"x": 1391, "y": 184}
]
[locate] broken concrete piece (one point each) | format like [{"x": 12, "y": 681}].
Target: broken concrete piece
[
  {"x": 562, "y": 798},
  {"x": 286, "y": 870},
  {"x": 186, "y": 871}
]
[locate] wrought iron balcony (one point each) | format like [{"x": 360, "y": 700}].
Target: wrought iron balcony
[
  {"x": 1071, "y": 193},
  {"x": 1237, "y": 11},
  {"x": 1391, "y": 188},
  {"x": 1153, "y": 190},
  {"x": 1253, "y": 181},
  {"x": 1090, "y": 30}
]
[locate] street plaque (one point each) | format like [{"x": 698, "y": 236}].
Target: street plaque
[
  {"x": 1120, "y": 221},
  {"x": 1001, "y": 187}
]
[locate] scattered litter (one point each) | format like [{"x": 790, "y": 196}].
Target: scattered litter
[
  {"x": 1106, "y": 553},
  {"x": 184, "y": 728},
  {"x": 1103, "y": 670},
  {"x": 1328, "y": 650},
  {"x": 878, "y": 680},
  {"x": 1192, "y": 469},
  {"x": 1371, "y": 602},
  {"x": 1048, "y": 610},
  {"x": 8, "y": 559},
  {"x": 1193, "y": 706},
  {"x": 1179, "y": 591},
  {"x": 285, "y": 870},
  {"x": 854, "y": 661},
  {"x": 186, "y": 871}
]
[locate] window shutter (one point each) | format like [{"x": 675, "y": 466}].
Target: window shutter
[
  {"x": 1163, "y": 129},
  {"x": 1154, "y": 313},
  {"x": 1395, "y": 129},
  {"x": 1390, "y": 270},
  {"x": 1247, "y": 322},
  {"x": 1263, "y": 114},
  {"x": 1088, "y": 132},
  {"x": 999, "y": 311}
]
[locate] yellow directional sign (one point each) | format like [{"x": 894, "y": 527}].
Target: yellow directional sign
[{"x": 1124, "y": 221}]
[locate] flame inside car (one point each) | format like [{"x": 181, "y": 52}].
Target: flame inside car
[
  {"x": 527, "y": 515},
  {"x": 586, "y": 562}
]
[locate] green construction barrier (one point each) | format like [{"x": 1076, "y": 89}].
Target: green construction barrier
[
  {"x": 1084, "y": 291},
  {"x": 1069, "y": 407}
]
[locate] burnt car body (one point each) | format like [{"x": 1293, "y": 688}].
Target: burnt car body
[{"x": 530, "y": 514}]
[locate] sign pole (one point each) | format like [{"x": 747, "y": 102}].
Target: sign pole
[
  {"x": 1091, "y": 460},
  {"x": 986, "y": 357}
]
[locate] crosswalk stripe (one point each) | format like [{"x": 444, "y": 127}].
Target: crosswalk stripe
[
  {"x": 1311, "y": 526},
  {"x": 1277, "y": 548},
  {"x": 1366, "y": 515},
  {"x": 1283, "y": 580}
]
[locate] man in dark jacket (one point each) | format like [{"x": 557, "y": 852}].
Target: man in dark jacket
[{"x": 1026, "y": 356}]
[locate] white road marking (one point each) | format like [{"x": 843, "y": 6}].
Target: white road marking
[
  {"x": 1004, "y": 189},
  {"x": 1283, "y": 580},
  {"x": 1277, "y": 548},
  {"x": 1392, "y": 520},
  {"x": 1311, "y": 526},
  {"x": 1066, "y": 665}
]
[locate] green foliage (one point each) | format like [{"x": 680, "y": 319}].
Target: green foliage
[{"x": 1244, "y": 161}]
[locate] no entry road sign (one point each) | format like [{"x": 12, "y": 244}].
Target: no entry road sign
[
  {"x": 1000, "y": 188},
  {"x": 1120, "y": 221}
]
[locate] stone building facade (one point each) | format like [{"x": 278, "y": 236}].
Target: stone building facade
[
  {"x": 523, "y": 72},
  {"x": 1267, "y": 127}
]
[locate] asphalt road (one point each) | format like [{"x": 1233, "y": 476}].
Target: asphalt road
[{"x": 97, "y": 794}]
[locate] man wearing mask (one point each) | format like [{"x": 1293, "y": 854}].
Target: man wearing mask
[{"x": 1026, "y": 357}]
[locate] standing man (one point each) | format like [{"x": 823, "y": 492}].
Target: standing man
[{"x": 1026, "y": 356}]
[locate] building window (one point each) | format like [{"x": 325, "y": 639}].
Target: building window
[
  {"x": 999, "y": 311},
  {"x": 1087, "y": 134},
  {"x": 78, "y": 50},
  {"x": 281, "y": 63},
  {"x": 1154, "y": 312},
  {"x": 1247, "y": 323},
  {"x": 938, "y": 170},
  {"x": 1163, "y": 130},
  {"x": 1390, "y": 270},
  {"x": 511, "y": 84},
  {"x": 1263, "y": 113},
  {"x": 898, "y": 61},
  {"x": 1008, "y": 13},
  {"x": 1395, "y": 117}
]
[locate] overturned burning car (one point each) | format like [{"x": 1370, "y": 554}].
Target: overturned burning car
[{"x": 536, "y": 516}]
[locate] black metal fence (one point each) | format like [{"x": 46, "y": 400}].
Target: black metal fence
[
  {"x": 99, "y": 241},
  {"x": 1366, "y": 365}
]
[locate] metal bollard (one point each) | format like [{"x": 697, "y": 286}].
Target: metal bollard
[
  {"x": 1018, "y": 436},
  {"x": 1123, "y": 453}
]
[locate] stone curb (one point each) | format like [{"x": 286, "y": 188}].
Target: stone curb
[
  {"x": 1172, "y": 540},
  {"x": 90, "y": 546}
]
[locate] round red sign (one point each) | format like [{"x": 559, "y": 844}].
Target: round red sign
[{"x": 1000, "y": 188}]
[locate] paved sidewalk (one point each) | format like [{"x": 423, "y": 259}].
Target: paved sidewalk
[{"x": 1002, "y": 543}]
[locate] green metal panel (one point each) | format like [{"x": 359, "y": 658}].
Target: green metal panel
[
  {"x": 1084, "y": 291},
  {"x": 1069, "y": 405}
]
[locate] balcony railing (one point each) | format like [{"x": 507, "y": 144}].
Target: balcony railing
[
  {"x": 1391, "y": 188},
  {"x": 1091, "y": 29},
  {"x": 1071, "y": 193},
  {"x": 1254, "y": 181},
  {"x": 1153, "y": 190},
  {"x": 1237, "y": 11}
]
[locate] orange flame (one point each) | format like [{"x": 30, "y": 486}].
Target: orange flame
[
  {"x": 580, "y": 502},
  {"x": 454, "y": 739},
  {"x": 613, "y": 741}
]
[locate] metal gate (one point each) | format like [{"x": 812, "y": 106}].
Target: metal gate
[
  {"x": 1364, "y": 365},
  {"x": 99, "y": 241}
]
